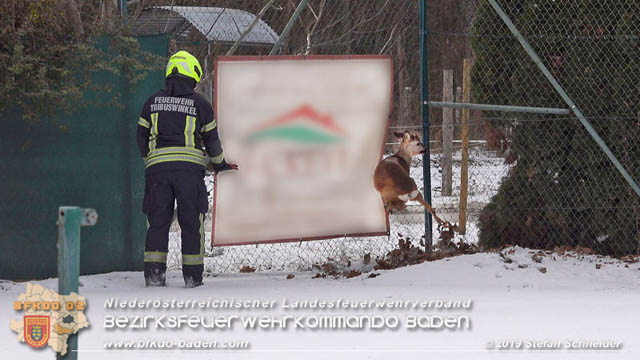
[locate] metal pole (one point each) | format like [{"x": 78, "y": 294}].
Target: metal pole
[
  {"x": 424, "y": 82},
  {"x": 123, "y": 11},
  {"x": 296, "y": 14},
  {"x": 70, "y": 218},
  {"x": 210, "y": 85},
  {"x": 505, "y": 108},
  {"x": 532, "y": 54}
]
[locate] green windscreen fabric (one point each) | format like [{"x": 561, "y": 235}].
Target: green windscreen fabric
[{"x": 89, "y": 159}]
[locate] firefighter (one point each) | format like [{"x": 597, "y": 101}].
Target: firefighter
[{"x": 174, "y": 125}]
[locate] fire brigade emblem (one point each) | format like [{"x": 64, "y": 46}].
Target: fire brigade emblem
[{"x": 36, "y": 330}]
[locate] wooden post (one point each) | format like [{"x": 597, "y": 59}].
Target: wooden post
[
  {"x": 458, "y": 118},
  {"x": 447, "y": 132},
  {"x": 464, "y": 166}
]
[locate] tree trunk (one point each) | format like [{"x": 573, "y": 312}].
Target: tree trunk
[
  {"x": 109, "y": 14},
  {"x": 75, "y": 19}
]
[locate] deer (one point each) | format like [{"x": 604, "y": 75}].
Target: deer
[{"x": 393, "y": 180}]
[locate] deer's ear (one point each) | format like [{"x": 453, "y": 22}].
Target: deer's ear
[{"x": 398, "y": 134}]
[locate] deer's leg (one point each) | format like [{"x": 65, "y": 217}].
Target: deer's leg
[
  {"x": 399, "y": 204},
  {"x": 417, "y": 196},
  {"x": 396, "y": 205}
]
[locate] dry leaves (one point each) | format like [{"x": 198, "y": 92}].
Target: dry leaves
[{"x": 247, "y": 269}]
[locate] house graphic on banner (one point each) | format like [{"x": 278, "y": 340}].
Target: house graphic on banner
[
  {"x": 303, "y": 125},
  {"x": 301, "y": 142}
]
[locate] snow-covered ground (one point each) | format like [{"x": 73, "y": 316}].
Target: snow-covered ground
[
  {"x": 486, "y": 171},
  {"x": 531, "y": 304},
  {"x": 516, "y": 299}
]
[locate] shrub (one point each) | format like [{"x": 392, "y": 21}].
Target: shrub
[{"x": 562, "y": 188}]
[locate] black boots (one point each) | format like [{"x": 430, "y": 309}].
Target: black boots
[
  {"x": 159, "y": 279},
  {"x": 191, "y": 282},
  {"x": 154, "y": 276}
]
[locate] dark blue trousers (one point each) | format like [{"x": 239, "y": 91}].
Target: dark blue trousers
[{"x": 162, "y": 190}]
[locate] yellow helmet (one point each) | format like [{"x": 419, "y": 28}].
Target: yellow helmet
[{"x": 184, "y": 64}]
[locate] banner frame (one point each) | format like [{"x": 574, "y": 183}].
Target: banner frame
[{"x": 218, "y": 59}]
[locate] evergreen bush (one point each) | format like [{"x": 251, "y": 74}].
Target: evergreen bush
[{"x": 562, "y": 189}]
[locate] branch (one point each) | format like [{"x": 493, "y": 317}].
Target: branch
[
  {"x": 136, "y": 15},
  {"x": 233, "y": 49},
  {"x": 166, "y": 25},
  {"x": 315, "y": 25},
  {"x": 75, "y": 18},
  {"x": 346, "y": 33},
  {"x": 214, "y": 23},
  {"x": 108, "y": 9},
  {"x": 249, "y": 28},
  {"x": 388, "y": 40}
]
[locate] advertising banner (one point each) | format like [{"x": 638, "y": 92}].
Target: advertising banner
[{"x": 307, "y": 133}]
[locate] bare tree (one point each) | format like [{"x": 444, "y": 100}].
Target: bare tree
[
  {"x": 246, "y": 31},
  {"x": 75, "y": 19},
  {"x": 200, "y": 87},
  {"x": 109, "y": 15},
  {"x": 314, "y": 24}
]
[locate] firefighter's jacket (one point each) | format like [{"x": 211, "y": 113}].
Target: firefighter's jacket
[{"x": 175, "y": 125}]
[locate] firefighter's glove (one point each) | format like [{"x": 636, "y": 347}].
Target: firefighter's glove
[{"x": 223, "y": 166}]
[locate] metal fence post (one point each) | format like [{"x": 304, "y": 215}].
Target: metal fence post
[
  {"x": 123, "y": 12},
  {"x": 70, "y": 218},
  {"x": 426, "y": 163},
  {"x": 296, "y": 14}
]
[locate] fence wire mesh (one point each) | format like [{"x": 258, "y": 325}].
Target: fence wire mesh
[
  {"x": 215, "y": 28},
  {"x": 538, "y": 181},
  {"x": 559, "y": 188}
]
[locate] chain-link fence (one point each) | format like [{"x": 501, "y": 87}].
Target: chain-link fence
[
  {"x": 210, "y": 28},
  {"x": 555, "y": 186},
  {"x": 215, "y": 28},
  {"x": 534, "y": 180}
]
